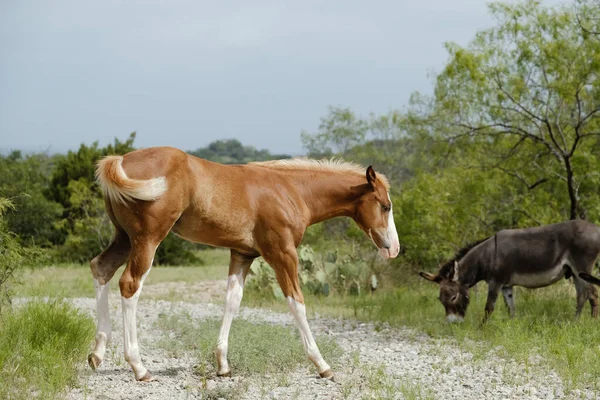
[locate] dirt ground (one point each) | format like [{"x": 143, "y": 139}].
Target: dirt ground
[{"x": 377, "y": 362}]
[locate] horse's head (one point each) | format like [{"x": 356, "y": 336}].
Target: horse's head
[
  {"x": 453, "y": 295},
  {"x": 373, "y": 213}
]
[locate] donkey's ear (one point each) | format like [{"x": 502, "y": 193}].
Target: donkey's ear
[
  {"x": 430, "y": 277},
  {"x": 589, "y": 278},
  {"x": 455, "y": 272},
  {"x": 371, "y": 177}
]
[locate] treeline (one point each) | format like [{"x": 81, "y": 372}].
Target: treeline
[
  {"x": 510, "y": 137},
  {"x": 56, "y": 205}
]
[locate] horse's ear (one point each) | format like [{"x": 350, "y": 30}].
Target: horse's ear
[
  {"x": 430, "y": 277},
  {"x": 371, "y": 177},
  {"x": 589, "y": 278}
]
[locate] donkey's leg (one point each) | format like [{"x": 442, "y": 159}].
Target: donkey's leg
[
  {"x": 493, "y": 291},
  {"x": 285, "y": 264},
  {"x": 581, "y": 287},
  {"x": 131, "y": 283},
  {"x": 238, "y": 269},
  {"x": 593, "y": 298},
  {"x": 507, "y": 293},
  {"x": 103, "y": 268}
]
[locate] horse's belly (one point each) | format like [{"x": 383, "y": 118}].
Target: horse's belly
[
  {"x": 241, "y": 239},
  {"x": 539, "y": 278}
]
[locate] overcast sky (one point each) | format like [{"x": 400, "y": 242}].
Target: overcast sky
[{"x": 185, "y": 73}]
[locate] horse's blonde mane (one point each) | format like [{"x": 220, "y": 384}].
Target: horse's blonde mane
[{"x": 332, "y": 165}]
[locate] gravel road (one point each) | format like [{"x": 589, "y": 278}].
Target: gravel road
[{"x": 378, "y": 362}]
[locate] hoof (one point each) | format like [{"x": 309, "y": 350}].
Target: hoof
[
  {"x": 327, "y": 374},
  {"x": 146, "y": 378},
  {"x": 94, "y": 361},
  {"x": 224, "y": 374}
]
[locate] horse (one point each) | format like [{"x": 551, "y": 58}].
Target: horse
[
  {"x": 256, "y": 209},
  {"x": 531, "y": 257}
]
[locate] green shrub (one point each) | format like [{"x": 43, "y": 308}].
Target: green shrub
[
  {"x": 12, "y": 254},
  {"x": 350, "y": 270},
  {"x": 40, "y": 346}
]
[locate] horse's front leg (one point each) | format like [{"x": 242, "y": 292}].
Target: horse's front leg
[
  {"x": 239, "y": 265},
  {"x": 285, "y": 264}
]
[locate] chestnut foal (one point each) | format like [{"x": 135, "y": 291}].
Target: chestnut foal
[{"x": 258, "y": 209}]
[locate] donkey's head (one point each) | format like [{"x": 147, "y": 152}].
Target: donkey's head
[
  {"x": 453, "y": 295},
  {"x": 373, "y": 213}
]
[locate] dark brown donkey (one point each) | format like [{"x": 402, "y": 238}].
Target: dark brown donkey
[
  {"x": 532, "y": 257},
  {"x": 259, "y": 209}
]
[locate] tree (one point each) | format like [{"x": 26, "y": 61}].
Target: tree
[
  {"x": 528, "y": 93},
  {"x": 12, "y": 254},
  {"x": 381, "y": 141},
  {"x": 232, "y": 151},
  {"x": 339, "y": 132},
  {"x": 24, "y": 180},
  {"x": 588, "y": 16},
  {"x": 80, "y": 165}
]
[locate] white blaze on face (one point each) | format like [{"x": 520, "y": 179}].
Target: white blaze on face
[{"x": 391, "y": 235}]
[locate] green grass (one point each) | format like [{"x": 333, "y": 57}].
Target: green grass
[
  {"x": 76, "y": 280},
  {"x": 40, "y": 347},
  {"x": 254, "y": 348},
  {"x": 544, "y": 326}
]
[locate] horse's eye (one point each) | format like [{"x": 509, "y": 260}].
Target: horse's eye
[{"x": 385, "y": 208}]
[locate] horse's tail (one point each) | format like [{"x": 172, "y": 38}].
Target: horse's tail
[{"x": 117, "y": 186}]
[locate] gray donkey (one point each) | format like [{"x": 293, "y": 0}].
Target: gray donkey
[{"x": 531, "y": 257}]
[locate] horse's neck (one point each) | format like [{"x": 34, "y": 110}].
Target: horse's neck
[{"x": 330, "y": 195}]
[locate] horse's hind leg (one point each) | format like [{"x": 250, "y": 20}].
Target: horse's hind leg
[
  {"x": 131, "y": 283},
  {"x": 509, "y": 299},
  {"x": 103, "y": 268}
]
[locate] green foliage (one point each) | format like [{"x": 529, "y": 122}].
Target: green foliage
[
  {"x": 509, "y": 139},
  {"x": 12, "y": 254},
  {"x": 41, "y": 345},
  {"x": 23, "y": 180},
  {"x": 533, "y": 83},
  {"x": 80, "y": 166},
  {"x": 233, "y": 152},
  {"x": 176, "y": 251},
  {"x": 91, "y": 231},
  {"x": 380, "y": 141},
  {"x": 349, "y": 271}
]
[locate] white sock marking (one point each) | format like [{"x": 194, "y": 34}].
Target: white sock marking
[
  {"x": 233, "y": 298},
  {"x": 130, "y": 343},
  {"x": 103, "y": 330},
  {"x": 310, "y": 346}
]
